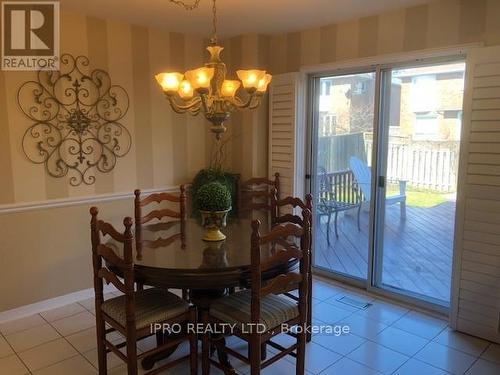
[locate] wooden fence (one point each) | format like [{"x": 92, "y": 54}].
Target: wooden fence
[{"x": 425, "y": 165}]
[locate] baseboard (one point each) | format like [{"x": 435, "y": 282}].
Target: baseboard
[{"x": 49, "y": 304}]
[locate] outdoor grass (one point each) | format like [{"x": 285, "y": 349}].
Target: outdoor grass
[{"x": 419, "y": 198}]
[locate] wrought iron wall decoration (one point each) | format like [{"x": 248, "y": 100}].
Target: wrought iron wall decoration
[{"x": 76, "y": 120}]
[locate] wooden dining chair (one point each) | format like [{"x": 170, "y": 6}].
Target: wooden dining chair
[
  {"x": 265, "y": 305},
  {"x": 255, "y": 193},
  {"x": 134, "y": 313},
  {"x": 166, "y": 219},
  {"x": 282, "y": 211},
  {"x": 159, "y": 214}
]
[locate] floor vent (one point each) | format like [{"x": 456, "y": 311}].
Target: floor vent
[{"x": 354, "y": 302}]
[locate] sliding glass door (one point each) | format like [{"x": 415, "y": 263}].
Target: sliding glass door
[
  {"x": 344, "y": 108},
  {"x": 385, "y": 150},
  {"x": 420, "y": 133}
]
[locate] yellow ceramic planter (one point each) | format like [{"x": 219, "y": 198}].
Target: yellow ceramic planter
[{"x": 213, "y": 221}]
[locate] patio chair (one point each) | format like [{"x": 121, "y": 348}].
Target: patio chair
[
  {"x": 362, "y": 174},
  {"x": 330, "y": 202}
]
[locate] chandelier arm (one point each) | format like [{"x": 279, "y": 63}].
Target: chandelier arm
[
  {"x": 192, "y": 106},
  {"x": 228, "y": 106},
  {"x": 240, "y": 104},
  {"x": 203, "y": 98},
  {"x": 256, "y": 102}
]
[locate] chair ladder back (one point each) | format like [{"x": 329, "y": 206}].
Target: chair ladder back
[
  {"x": 293, "y": 202},
  {"x": 255, "y": 193},
  {"x": 284, "y": 282},
  {"x": 159, "y": 214},
  {"x": 305, "y": 292},
  {"x": 286, "y": 252},
  {"x": 103, "y": 273},
  {"x": 96, "y": 259},
  {"x": 160, "y": 197},
  {"x": 256, "y": 275}
]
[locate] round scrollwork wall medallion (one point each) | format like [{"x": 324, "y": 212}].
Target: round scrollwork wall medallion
[{"x": 76, "y": 120}]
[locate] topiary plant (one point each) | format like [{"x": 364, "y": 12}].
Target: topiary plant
[
  {"x": 208, "y": 175},
  {"x": 213, "y": 196}
]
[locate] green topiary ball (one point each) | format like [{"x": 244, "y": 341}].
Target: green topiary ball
[{"x": 213, "y": 196}]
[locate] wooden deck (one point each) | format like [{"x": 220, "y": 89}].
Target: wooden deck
[{"x": 417, "y": 252}]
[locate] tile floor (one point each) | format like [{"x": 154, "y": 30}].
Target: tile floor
[{"x": 385, "y": 338}]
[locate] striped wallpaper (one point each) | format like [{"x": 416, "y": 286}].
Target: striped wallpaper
[
  {"x": 168, "y": 148},
  {"x": 441, "y": 23},
  {"x": 247, "y": 131},
  {"x": 161, "y": 154}
]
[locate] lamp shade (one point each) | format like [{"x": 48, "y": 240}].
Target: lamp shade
[
  {"x": 186, "y": 91},
  {"x": 263, "y": 83},
  {"x": 169, "y": 82},
  {"x": 251, "y": 78},
  {"x": 200, "y": 78},
  {"x": 229, "y": 88}
]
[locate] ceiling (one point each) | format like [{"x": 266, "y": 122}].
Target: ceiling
[{"x": 236, "y": 16}]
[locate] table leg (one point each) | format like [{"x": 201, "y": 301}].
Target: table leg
[
  {"x": 222, "y": 355},
  {"x": 202, "y": 299}
]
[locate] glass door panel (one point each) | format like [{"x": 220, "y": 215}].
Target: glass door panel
[
  {"x": 342, "y": 137},
  {"x": 421, "y": 134}
]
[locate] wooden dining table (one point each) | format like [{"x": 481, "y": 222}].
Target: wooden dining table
[{"x": 207, "y": 269}]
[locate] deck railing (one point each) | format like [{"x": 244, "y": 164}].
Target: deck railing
[{"x": 426, "y": 165}]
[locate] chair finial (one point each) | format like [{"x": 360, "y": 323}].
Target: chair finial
[{"x": 128, "y": 222}]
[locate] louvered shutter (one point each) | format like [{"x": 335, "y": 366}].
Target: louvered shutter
[
  {"x": 286, "y": 133},
  {"x": 476, "y": 272}
]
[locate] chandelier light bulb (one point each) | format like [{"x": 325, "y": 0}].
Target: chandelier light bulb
[
  {"x": 186, "y": 91},
  {"x": 169, "y": 82},
  {"x": 251, "y": 78},
  {"x": 229, "y": 88},
  {"x": 263, "y": 83},
  {"x": 200, "y": 78}
]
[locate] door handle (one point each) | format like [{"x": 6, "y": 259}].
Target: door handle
[{"x": 381, "y": 181}]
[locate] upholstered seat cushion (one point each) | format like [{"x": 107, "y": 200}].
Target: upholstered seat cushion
[
  {"x": 235, "y": 309},
  {"x": 152, "y": 305}
]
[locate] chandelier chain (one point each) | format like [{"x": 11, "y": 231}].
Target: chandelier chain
[
  {"x": 214, "y": 22},
  {"x": 185, "y": 5},
  {"x": 195, "y": 5}
]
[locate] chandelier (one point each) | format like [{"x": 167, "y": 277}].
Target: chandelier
[{"x": 207, "y": 90}]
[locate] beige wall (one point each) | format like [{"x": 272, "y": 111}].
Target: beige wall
[
  {"x": 247, "y": 131},
  {"x": 132, "y": 55},
  {"x": 45, "y": 253},
  {"x": 438, "y": 24}
]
